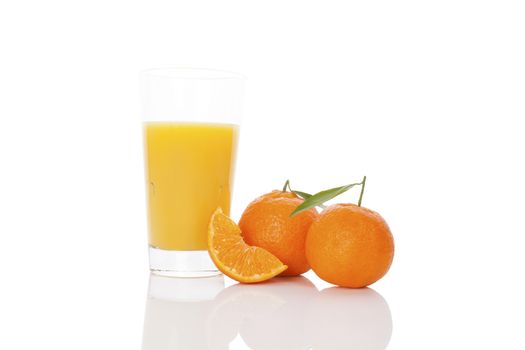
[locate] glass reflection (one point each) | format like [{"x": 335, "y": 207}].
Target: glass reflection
[
  {"x": 177, "y": 310},
  {"x": 284, "y": 313}
]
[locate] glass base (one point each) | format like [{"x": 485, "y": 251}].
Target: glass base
[{"x": 181, "y": 263}]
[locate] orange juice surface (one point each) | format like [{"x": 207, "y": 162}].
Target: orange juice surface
[{"x": 189, "y": 171}]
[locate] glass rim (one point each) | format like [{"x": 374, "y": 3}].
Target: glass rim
[{"x": 189, "y": 73}]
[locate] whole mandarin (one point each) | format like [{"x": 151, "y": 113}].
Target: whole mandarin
[
  {"x": 349, "y": 246},
  {"x": 266, "y": 223}
]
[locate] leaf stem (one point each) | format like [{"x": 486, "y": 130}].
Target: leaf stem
[
  {"x": 362, "y": 191},
  {"x": 286, "y": 185}
]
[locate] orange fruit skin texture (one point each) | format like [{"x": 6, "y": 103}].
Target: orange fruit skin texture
[
  {"x": 266, "y": 223},
  {"x": 349, "y": 246}
]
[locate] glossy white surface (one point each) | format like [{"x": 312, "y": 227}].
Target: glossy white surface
[{"x": 284, "y": 313}]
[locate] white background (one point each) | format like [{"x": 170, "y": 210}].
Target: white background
[{"x": 426, "y": 98}]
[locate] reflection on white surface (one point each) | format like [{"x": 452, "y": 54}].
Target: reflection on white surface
[
  {"x": 177, "y": 310},
  {"x": 271, "y": 315},
  {"x": 284, "y": 313},
  {"x": 342, "y": 318}
]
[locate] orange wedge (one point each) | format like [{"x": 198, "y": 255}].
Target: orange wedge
[{"x": 235, "y": 258}]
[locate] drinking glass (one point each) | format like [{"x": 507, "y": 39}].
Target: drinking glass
[{"x": 191, "y": 121}]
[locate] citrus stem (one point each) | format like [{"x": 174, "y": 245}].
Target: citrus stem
[
  {"x": 286, "y": 185},
  {"x": 362, "y": 191}
]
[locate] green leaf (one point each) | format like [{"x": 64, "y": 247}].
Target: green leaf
[
  {"x": 320, "y": 198},
  {"x": 301, "y": 194},
  {"x": 305, "y": 195}
]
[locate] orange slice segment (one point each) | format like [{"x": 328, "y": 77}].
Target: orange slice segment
[{"x": 235, "y": 258}]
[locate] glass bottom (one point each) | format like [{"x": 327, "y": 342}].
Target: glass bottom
[{"x": 181, "y": 263}]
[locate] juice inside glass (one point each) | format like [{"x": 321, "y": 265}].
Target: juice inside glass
[
  {"x": 191, "y": 129},
  {"x": 189, "y": 171}
]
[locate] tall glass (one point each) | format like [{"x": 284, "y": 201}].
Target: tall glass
[{"x": 191, "y": 126}]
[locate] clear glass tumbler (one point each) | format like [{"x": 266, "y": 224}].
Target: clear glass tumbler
[{"x": 191, "y": 126}]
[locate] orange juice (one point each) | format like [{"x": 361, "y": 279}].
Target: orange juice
[{"x": 189, "y": 171}]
